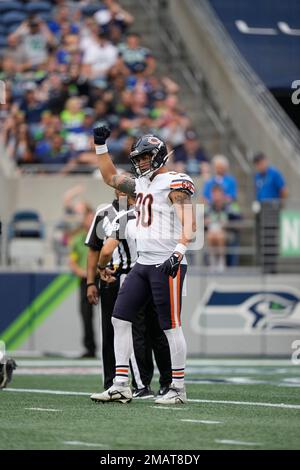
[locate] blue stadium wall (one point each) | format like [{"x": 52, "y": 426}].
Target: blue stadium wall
[{"x": 222, "y": 315}]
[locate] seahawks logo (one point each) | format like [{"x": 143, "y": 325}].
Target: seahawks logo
[{"x": 226, "y": 309}]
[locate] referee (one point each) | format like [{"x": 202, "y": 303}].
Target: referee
[
  {"x": 117, "y": 256},
  {"x": 100, "y": 229}
]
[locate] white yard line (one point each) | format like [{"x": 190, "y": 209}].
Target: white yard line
[
  {"x": 246, "y": 403},
  {"x": 59, "y": 371},
  {"x": 190, "y": 362},
  {"x": 201, "y": 421},
  {"x": 178, "y": 408},
  {"x": 237, "y": 443},
  {"x": 49, "y": 392},
  {"x": 191, "y": 400},
  {"x": 87, "y": 444},
  {"x": 41, "y": 409},
  {"x": 58, "y": 363},
  {"x": 240, "y": 362}
]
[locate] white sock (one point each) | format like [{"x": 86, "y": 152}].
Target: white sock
[
  {"x": 177, "y": 346},
  {"x": 123, "y": 348}
]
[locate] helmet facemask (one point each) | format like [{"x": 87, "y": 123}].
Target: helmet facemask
[{"x": 155, "y": 163}]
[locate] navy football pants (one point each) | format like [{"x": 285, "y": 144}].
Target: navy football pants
[{"x": 144, "y": 281}]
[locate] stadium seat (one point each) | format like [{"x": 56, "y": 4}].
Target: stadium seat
[
  {"x": 13, "y": 17},
  {"x": 25, "y": 239},
  {"x": 12, "y": 28},
  {"x": 26, "y": 252},
  {"x": 3, "y": 30},
  {"x": 3, "y": 42},
  {"x": 6, "y": 7},
  {"x": 26, "y": 224},
  {"x": 38, "y": 7}
]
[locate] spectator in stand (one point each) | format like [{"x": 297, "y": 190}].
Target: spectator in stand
[
  {"x": 34, "y": 36},
  {"x": 80, "y": 140},
  {"x": 69, "y": 46},
  {"x": 57, "y": 93},
  {"x": 219, "y": 234},
  {"x": 22, "y": 152},
  {"x": 137, "y": 113},
  {"x": 169, "y": 118},
  {"x": 32, "y": 107},
  {"x": 53, "y": 71},
  {"x": 269, "y": 182},
  {"x": 99, "y": 58},
  {"x": 63, "y": 22},
  {"x": 221, "y": 177},
  {"x": 190, "y": 157},
  {"x": 134, "y": 57},
  {"x": 113, "y": 16},
  {"x": 72, "y": 116},
  {"x": 57, "y": 153},
  {"x": 14, "y": 55}
]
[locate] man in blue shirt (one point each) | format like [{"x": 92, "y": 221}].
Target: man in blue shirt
[
  {"x": 221, "y": 178},
  {"x": 269, "y": 182}
]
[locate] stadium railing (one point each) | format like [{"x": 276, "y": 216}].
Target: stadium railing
[
  {"x": 253, "y": 120},
  {"x": 282, "y": 123}
]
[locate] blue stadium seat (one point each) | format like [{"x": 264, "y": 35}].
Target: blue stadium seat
[
  {"x": 38, "y": 7},
  {"x": 13, "y": 17},
  {"x": 6, "y": 7},
  {"x": 12, "y": 28},
  {"x": 26, "y": 224},
  {"x": 3, "y": 30},
  {"x": 26, "y": 238},
  {"x": 3, "y": 42}
]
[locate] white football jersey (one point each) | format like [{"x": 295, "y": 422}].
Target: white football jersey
[{"x": 158, "y": 228}]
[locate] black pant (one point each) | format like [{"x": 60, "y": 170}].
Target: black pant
[
  {"x": 108, "y": 295},
  {"x": 147, "y": 336},
  {"x": 86, "y": 311}
]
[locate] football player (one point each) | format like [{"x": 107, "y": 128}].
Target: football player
[
  {"x": 6, "y": 371},
  {"x": 165, "y": 226}
]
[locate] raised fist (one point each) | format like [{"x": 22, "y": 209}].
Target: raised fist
[{"x": 101, "y": 133}]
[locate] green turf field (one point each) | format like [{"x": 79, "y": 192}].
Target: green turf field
[{"x": 265, "y": 413}]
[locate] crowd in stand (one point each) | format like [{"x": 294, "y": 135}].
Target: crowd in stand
[
  {"x": 77, "y": 63},
  {"x": 78, "y": 66}
]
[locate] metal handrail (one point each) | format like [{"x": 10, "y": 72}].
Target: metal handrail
[{"x": 281, "y": 122}]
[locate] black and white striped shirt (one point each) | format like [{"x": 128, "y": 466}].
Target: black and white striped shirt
[{"x": 110, "y": 221}]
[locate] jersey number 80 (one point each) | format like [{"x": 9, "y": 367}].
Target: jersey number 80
[{"x": 143, "y": 207}]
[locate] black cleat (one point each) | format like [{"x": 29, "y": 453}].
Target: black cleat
[
  {"x": 6, "y": 372},
  {"x": 143, "y": 393}
]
